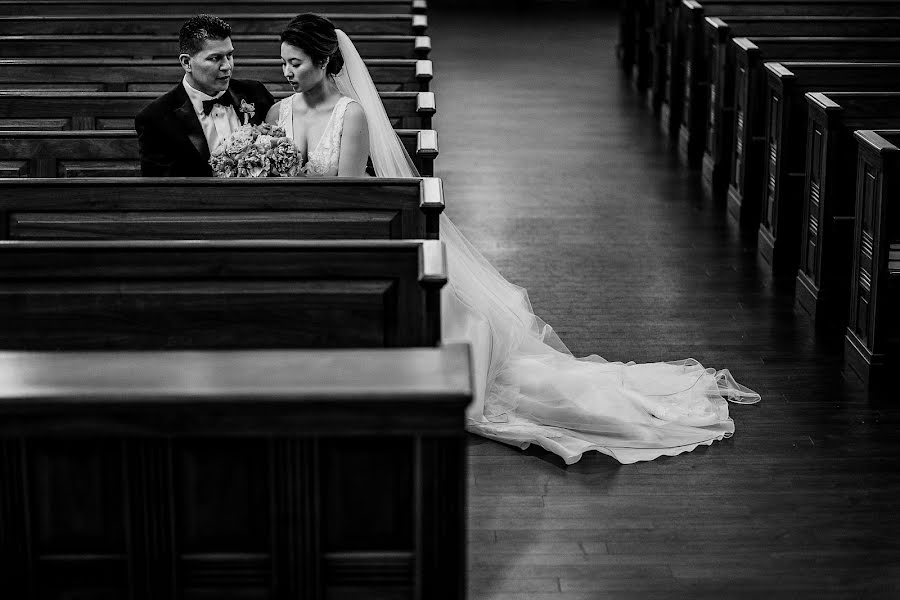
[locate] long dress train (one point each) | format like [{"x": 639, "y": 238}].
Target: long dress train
[{"x": 529, "y": 389}]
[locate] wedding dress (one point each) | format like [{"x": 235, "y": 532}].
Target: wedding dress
[
  {"x": 529, "y": 389},
  {"x": 321, "y": 161}
]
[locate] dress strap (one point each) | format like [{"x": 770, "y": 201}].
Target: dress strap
[{"x": 285, "y": 116}]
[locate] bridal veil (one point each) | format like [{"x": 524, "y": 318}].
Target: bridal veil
[{"x": 529, "y": 388}]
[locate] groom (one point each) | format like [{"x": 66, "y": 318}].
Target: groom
[{"x": 177, "y": 131}]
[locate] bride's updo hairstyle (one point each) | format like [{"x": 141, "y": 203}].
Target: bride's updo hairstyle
[{"x": 314, "y": 34}]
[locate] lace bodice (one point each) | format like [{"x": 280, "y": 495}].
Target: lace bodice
[{"x": 323, "y": 159}]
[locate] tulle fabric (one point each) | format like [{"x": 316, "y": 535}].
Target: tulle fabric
[{"x": 529, "y": 389}]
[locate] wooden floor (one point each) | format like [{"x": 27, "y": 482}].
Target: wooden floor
[{"x": 555, "y": 170}]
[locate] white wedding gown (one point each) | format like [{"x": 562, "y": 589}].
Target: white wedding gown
[{"x": 530, "y": 390}]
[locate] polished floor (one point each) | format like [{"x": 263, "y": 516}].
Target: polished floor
[{"x": 556, "y": 170}]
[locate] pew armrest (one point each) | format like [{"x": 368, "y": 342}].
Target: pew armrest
[
  {"x": 419, "y": 24},
  {"x": 745, "y": 44},
  {"x": 427, "y": 144},
  {"x": 424, "y": 70},
  {"x": 873, "y": 139},
  {"x": 423, "y": 45},
  {"x": 425, "y": 104},
  {"x": 420, "y": 7},
  {"x": 822, "y": 101},
  {"x": 432, "y": 264}
]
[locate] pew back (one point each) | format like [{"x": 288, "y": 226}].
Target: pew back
[
  {"x": 80, "y": 109},
  {"x": 113, "y": 74},
  {"x": 169, "y": 24},
  {"x": 154, "y": 295},
  {"x": 223, "y": 7},
  {"x": 234, "y": 473},
  {"x": 116, "y": 153},
  {"x": 166, "y": 46},
  {"x": 169, "y": 208}
]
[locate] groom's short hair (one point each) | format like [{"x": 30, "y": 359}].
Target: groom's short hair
[{"x": 197, "y": 30}]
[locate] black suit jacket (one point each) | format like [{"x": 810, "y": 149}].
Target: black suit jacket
[{"x": 171, "y": 138}]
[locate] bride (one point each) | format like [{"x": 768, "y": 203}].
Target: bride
[{"x": 529, "y": 389}]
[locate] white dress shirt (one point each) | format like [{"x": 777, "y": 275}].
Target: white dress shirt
[{"x": 221, "y": 120}]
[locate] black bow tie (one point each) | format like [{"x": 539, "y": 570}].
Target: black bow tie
[{"x": 224, "y": 100}]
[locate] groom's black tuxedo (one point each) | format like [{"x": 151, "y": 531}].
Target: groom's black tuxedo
[{"x": 171, "y": 138}]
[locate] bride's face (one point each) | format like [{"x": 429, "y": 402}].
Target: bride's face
[{"x": 299, "y": 69}]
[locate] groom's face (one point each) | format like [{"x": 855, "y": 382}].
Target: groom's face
[{"x": 209, "y": 70}]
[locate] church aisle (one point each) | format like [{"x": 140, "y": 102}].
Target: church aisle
[{"x": 553, "y": 168}]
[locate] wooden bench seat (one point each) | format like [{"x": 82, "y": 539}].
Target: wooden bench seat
[
  {"x": 166, "y": 46},
  {"x": 115, "y": 153},
  {"x": 223, "y": 7},
  {"x": 829, "y": 196},
  {"x": 169, "y": 24},
  {"x": 222, "y": 474},
  {"x": 738, "y": 48},
  {"x": 222, "y": 294},
  {"x": 173, "y": 208},
  {"x": 76, "y": 109},
  {"x": 872, "y": 344},
  {"x": 776, "y": 163},
  {"x": 121, "y": 75},
  {"x": 686, "y": 40}
]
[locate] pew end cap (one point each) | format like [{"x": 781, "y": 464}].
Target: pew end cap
[
  {"x": 423, "y": 44},
  {"x": 424, "y": 70},
  {"x": 874, "y": 140},
  {"x": 745, "y": 44},
  {"x": 427, "y": 143},
  {"x": 432, "y": 264},
  {"x": 425, "y": 103},
  {"x": 432, "y": 194},
  {"x": 822, "y": 101}
]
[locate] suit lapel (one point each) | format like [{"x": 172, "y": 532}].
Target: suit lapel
[{"x": 191, "y": 123}]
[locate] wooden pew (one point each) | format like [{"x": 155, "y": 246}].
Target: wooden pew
[
  {"x": 224, "y": 474},
  {"x": 668, "y": 23},
  {"x": 633, "y": 49},
  {"x": 872, "y": 343},
  {"x": 223, "y": 294},
  {"x": 745, "y": 57},
  {"x": 166, "y": 46},
  {"x": 687, "y": 39},
  {"x": 747, "y": 152},
  {"x": 41, "y": 109},
  {"x": 120, "y": 75},
  {"x": 156, "y": 24},
  {"x": 829, "y": 195},
  {"x": 172, "y": 208},
  {"x": 115, "y": 152},
  {"x": 723, "y": 59},
  {"x": 782, "y": 153},
  {"x": 222, "y": 7}
]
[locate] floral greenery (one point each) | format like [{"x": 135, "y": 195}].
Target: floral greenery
[{"x": 256, "y": 151}]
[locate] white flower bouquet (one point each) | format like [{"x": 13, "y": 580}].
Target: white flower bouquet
[{"x": 256, "y": 151}]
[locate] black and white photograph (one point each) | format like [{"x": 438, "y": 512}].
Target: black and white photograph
[{"x": 449, "y": 299}]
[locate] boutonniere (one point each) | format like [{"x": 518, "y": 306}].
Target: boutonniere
[{"x": 249, "y": 109}]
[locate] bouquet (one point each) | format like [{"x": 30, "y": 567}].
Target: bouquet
[{"x": 256, "y": 151}]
